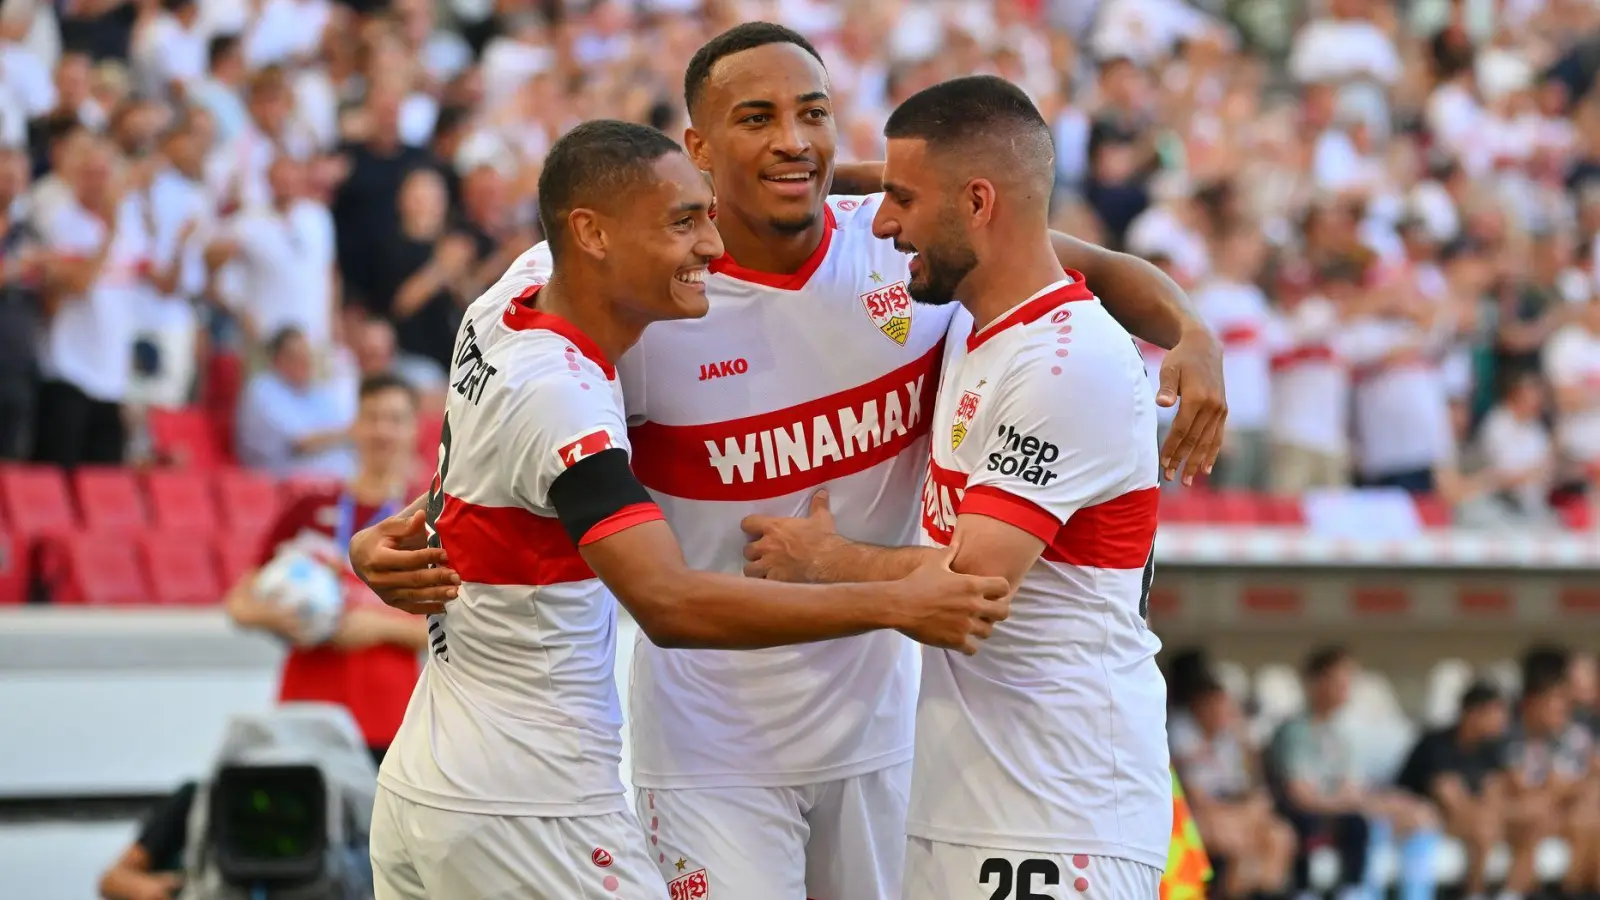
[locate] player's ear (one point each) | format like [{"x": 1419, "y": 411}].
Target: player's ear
[
  {"x": 588, "y": 235},
  {"x": 979, "y": 197},
  {"x": 695, "y": 145}
]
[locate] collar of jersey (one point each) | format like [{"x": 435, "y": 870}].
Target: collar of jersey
[
  {"x": 783, "y": 281},
  {"x": 522, "y": 316},
  {"x": 1033, "y": 309}
]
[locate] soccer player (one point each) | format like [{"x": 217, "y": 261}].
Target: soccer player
[
  {"x": 503, "y": 780},
  {"x": 784, "y": 774},
  {"x": 1041, "y": 765}
]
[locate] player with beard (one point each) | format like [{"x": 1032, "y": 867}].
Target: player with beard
[
  {"x": 784, "y": 774},
  {"x": 1041, "y": 765}
]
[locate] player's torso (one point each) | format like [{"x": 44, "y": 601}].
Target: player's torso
[
  {"x": 825, "y": 380},
  {"x": 1052, "y": 737},
  {"x": 517, "y": 712}
]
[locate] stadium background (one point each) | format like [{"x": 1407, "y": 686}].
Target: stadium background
[{"x": 1442, "y": 151}]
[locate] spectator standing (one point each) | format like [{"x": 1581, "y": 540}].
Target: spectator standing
[
  {"x": 1572, "y": 363},
  {"x": 421, "y": 278},
  {"x": 20, "y": 271},
  {"x": 291, "y": 422},
  {"x": 1236, "y": 309},
  {"x": 366, "y": 207},
  {"x": 1519, "y": 462},
  {"x": 1310, "y": 431},
  {"x": 370, "y": 664}
]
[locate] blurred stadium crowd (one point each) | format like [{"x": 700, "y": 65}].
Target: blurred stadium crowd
[{"x": 219, "y": 217}]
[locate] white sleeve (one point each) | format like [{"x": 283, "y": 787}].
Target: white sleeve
[
  {"x": 1561, "y": 358},
  {"x": 1046, "y": 456},
  {"x": 558, "y": 424},
  {"x": 65, "y": 232}
]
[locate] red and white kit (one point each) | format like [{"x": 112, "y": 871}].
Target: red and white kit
[
  {"x": 503, "y": 780},
  {"x": 1045, "y": 755},
  {"x": 782, "y": 774}
]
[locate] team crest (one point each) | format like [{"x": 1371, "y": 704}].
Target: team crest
[
  {"x": 965, "y": 410},
  {"x": 692, "y": 886},
  {"x": 889, "y": 307}
]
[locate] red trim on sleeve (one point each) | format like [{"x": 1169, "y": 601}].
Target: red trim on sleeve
[
  {"x": 1034, "y": 309},
  {"x": 987, "y": 500},
  {"x": 621, "y": 520},
  {"x": 783, "y": 281},
  {"x": 521, "y": 315}
]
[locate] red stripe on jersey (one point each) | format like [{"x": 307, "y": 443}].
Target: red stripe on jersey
[
  {"x": 1239, "y": 335},
  {"x": 783, "y": 281},
  {"x": 1302, "y": 355},
  {"x": 621, "y": 520},
  {"x": 793, "y": 449},
  {"x": 507, "y": 545},
  {"x": 1116, "y": 534},
  {"x": 1034, "y": 309},
  {"x": 522, "y": 315}
]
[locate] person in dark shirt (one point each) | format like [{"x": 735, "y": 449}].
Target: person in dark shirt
[
  {"x": 366, "y": 206},
  {"x": 150, "y": 868},
  {"x": 1461, "y": 769}
]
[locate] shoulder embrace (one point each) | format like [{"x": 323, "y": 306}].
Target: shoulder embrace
[{"x": 854, "y": 211}]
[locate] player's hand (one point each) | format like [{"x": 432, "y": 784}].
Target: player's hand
[
  {"x": 949, "y": 610},
  {"x": 785, "y": 549},
  {"x": 394, "y": 560},
  {"x": 1192, "y": 372}
]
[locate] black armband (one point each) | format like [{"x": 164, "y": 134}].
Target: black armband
[{"x": 596, "y": 488}]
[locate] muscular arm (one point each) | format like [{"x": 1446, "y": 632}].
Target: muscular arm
[{"x": 1137, "y": 294}]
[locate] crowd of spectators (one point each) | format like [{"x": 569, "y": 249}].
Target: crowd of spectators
[
  {"x": 1388, "y": 210},
  {"x": 1518, "y": 766}
]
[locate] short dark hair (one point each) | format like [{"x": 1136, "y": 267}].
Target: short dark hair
[
  {"x": 1545, "y": 660},
  {"x": 1542, "y": 681},
  {"x": 1324, "y": 659},
  {"x": 737, "y": 39},
  {"x": 591, "y": 164},
  {"x": 220, "y": 46},
  {"x": 1478, "y": 695},
  {"x": 965, "y": 114},
  {"x": 280, "y": 338},
  {"x": 387, "y": 381}
]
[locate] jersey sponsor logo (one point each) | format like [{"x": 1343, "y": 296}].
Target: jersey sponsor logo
[
  {"x": 583, "y": 446},
  {"x": 472, "y": 372},
  {"x": 966, "y": 409},
  {"x": 942, "y": 491},
  {"x": 1024, "y": 456},
  {"x": 889, "y": 307},
  {"x": 725, "y": 369},
  {"x": 600, "y": 857},
  {"x": 793, "y": 449},
  {"x": 693, "y": 886}
]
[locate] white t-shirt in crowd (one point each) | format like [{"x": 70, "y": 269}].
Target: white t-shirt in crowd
[
  {"x": 1053, "y": 738},
  {"x": 89, "y": 341},
  {"x": 287, "y": 264},
  {"x": 1402, "y": 410},
  {"x": 1572, "y": 359},
  {"x": 1512, "y": 446},
  {"x": 1310, "y": 378},
  {"x": 1241, "y": 317},
  {"x": 1342, "y": 49}
]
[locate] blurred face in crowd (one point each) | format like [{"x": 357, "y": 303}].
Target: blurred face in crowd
[
  {"x": 286, "y": 177},
  {"x": 1332, "y": 690},
  {"x": 1486, "y": 722},
  {"x": 483, "y": 193},
  {"x": 95, "y": 172},
  {"x": 1548, "y": 711},
  {"x": 72, "y": 80},
  {"x": 664, "y": 238},
  {"x": 385, "y": 430},
  {"x": 372, "y": 341},
  {"x": 187, "y": 145},
  {"x": 1216, "y": 712},
  {"x": 270, "y": 106},
  {"x": 918, "y": 213},
  {"x": 1525, "y": 398},
  {"x": 1581, "y": 675},
  {"x": 293, "y": 361},
  {"x": 13, "y": 175},
  {"x": 423, "y": 204},
  {"x": 764, "y": 129}
]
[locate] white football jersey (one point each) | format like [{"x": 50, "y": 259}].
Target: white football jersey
[
  {"x": 516, "y": 712},
  {"x": 1052, "y": 739},
  {"x": 791, "y": 383}
]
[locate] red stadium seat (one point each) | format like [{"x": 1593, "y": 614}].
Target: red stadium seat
[
  {"x": 14, "y": 569},
  {"x": 1577, "y": 515},
  {"x": 35, "y": 501},
  {"x": 186, "y": 437},
  {"x": 247, "y": 501},
  {"x": 1233, "y": 508},
  {"x": 1276, "y": 510},
  {"x": 429, "y": 428},
  {"x": 1433, "y": 511},
  {"x": 103, "y": 570},
  {"x": 1182, "y": 507},
  {"x": 109, "y": 499},
  {"x": 180, "y": 570},
  {"x": 236, "y": 554},
  {"x": 182, "y": 500}
]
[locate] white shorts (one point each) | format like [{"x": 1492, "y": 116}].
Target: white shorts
[
  {"x": 423, "y": 853},
  {"x": 840, "y": 840},
  {"x": 937, "y": 871}
]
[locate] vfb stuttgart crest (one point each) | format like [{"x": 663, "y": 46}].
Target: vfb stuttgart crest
[
  {"x": 692, "y": 886},
  {"x": 890, "y": 310},
  {"x": 965, "y": 410}
]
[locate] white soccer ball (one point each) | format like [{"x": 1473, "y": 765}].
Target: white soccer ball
[{"x": 300, "y": 581}]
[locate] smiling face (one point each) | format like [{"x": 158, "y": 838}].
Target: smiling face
[
  {"x": 764, "y": 129},
  {"x": 919, "y": 214},
  {"x": 662, "y": 240}
]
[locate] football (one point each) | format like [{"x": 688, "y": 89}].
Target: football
[{"x": 299, "y": 580}]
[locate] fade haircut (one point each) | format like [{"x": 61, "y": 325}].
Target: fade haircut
[
  {"x": 737, "y": 39},
  {"x": 983, "y": 120},
  {"x": 593, "y": 166}
]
